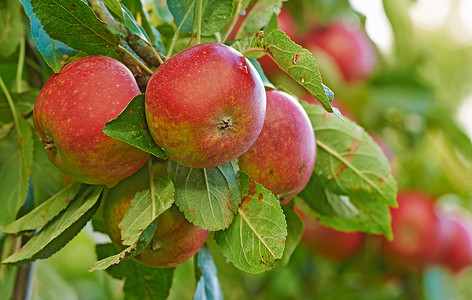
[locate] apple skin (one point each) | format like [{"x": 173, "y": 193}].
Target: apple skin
[
  {"x": 283, "y": 157},
  {"x": 331, "y": 244},
  {"x": 349, "y": 47},
  {"x": 176, "y": 239},
  {"x": 205, "y": 106},
  {"x": 455, "y": 242},
  {"x": 415, "y": 227},
  {"x": 71, "y": 111}
]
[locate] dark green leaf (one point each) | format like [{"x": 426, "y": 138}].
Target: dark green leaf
[
  {"x": 58, "y": 232},
  {"x": 11, "y": 27},
  {"x": 346, "y": 213},
  {"x": 348, "y": 161},
  {"x": 45, "y": 212},
  {"x": 133, "y": 25},
  {"x": 142, "y": 282},
  {"x": 131, "y": 127},
  {"x": 16, "y": 157},
  {"x": 24, "y": 103},
  {"x": 74, "y": 23},
  {"x": 295, "y": 230},
  {"x": 257, "y": 235},
  {"x": 208, "y": 286},
  {"x": 215, "y": 14},
  {"x": 296, "y": 61},
  {"x": 209, "y": 198},
  {"x": 54, "y": 52}
]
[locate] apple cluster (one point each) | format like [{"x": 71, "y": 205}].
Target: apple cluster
[
  {"x": 425, "y": 234},
  {"x": 205, "y": 106}
]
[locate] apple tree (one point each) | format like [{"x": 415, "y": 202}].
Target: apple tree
[{"x": 208, "y": 134}]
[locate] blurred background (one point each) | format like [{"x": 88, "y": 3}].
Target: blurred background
[{"x": 402, "y": 69}]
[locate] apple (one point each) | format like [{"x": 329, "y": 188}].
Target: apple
[
  {"x": 455, "y": 241},
  {"x": 71, "y": 111},
  {"x": 283, "y": 156},
  {"x": 347, "y": 45},
  {"x": 205, "y": 106},
  {"x": 330, "y": 243},
  {"x": 175, "y": 241},
  {"x": 415, "y": 227}
]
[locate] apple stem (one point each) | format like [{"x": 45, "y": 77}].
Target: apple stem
[
  {"x": 199, "y": 20},
  {"x": 139, "y": 62},
  {"x": 12, "y": 107},
  {"x": 250, "y": 50},
  {"x": 234, "y": 20}
]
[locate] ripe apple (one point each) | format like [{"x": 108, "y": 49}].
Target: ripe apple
[
  {"x": 205, "y": 106},
  {"x": 175, "y": 240},
  {"x": 455, "y": 241},
  {"x": 71, "y": 111},
  {"x": 348, "y": 46},
  {"x": 415, "y": 227},
  {"x": 283, "y": 156},
  {"x": 330, "y": 243}
]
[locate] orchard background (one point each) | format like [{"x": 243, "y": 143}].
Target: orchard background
[{"x": 385, "y": 85}]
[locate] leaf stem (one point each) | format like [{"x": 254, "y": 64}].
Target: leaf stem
[
  {"x": 152, "y": 187},
  {"x": 143, "y": 66},
  {"x": 19, "y": 70},
  {"x": 199, "y": 20},
  {"x": 234, "y": 20},
  {"x": 177, "y": 32},
  {"x": 250, "y": 50},
  {"x": 12, "y": 107}
]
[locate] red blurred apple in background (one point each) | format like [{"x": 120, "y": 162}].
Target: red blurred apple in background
[
  {"x": 415, "y": 227},
  {"x": 283, "y": 156},
  {"x": 175, "y": 240},
  {"x": 330, "y": 243},
  {"x": 455, "y": 242},
  {"x": 71, "y": 111},
  {"x": 205, "y": 106},
  {"x": 347, "y": 45}
]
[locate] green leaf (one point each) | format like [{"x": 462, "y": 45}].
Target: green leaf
[
  {"x": 348, "y": 161},
  {"x": 295, "y": 230},
  {"x": 208, "y": 286},
  {"x": 61, "y": 229},
  {"x": 45, "y": 212},
  {"x": 209, "y": 198},
  {"x": 74, "y": 23},
  {"x": 115, "y": 7},
  {"x": 44, "y": 186},
  {"x": 145, "y": 208},
  {"x": 54, "y": 52},
  {"x": 142, "y": 282},
  {"x": 133, "y": 25},
  {"x": 258, "y": 17},
  {"x": 11, "y": 27},
  {"x": 24, "y": 103},
  {"x": 257, "y": 235},
  {"x": 16, "y": 157},
  {"x": 296, "y": 61},
  {"x": 131, "y": 127},
  {"x": 343, "y": 212},
  {"x": 215, "y": 14}
]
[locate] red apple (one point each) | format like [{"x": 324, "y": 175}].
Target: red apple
[
  {"x": 175, "y": 240},
  {"x": 71, "y": 111},
  {"x": 415, "y": 227},
  {"x": 330, "y": 243},
  {"x": 348, "y": 46},
  {"x": 455, "y": 241},
  {"x": 205, "y": 106},
  {"x": 283, "y": 156}
]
